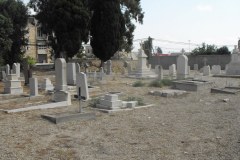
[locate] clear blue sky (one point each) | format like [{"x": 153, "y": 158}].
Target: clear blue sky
[{"x": 195, "y": 21}]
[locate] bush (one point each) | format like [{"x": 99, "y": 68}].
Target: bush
[
  {"x": 166, "y": 82},
  {"x": 93, "y": 103},
  {"x": 138, "y": 84},
  {"x": 156, "y": 83}
]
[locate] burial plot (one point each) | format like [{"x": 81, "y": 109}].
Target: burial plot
[
  {"x": 192, "y": 85},
  {"x": 226, "y": 90}
]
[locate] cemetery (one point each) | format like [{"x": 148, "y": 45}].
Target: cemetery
[{"x": 105, "y": 101}]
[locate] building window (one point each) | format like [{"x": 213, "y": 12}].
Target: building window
[
  {"x": 42, "y": 47},
  {"x": 39, "y": 32}
]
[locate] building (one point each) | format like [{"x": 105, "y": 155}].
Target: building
[{"x": 37, "y": 47}]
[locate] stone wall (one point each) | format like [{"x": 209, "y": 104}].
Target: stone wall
[{"x": 166, "y": 61}]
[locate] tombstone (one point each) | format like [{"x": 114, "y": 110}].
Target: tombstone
[
  {"x": 182, "y": 67},
  {"x": 78, "y": 68},
  {"x": 14, "y": 68},
  {"x": 47, "y": 85},
  {"x": 33, "y": 84},
  {"x": 61, "y": 75},
  {"x": 160, "y": 73},
  {"x": 18, "y": 70},
  {"x": 4, "y": 76},
  {"x": 7, "y": 69},
  {"x": 61, "y": 93},
  {"x": 13, "y": 85},
  {"x": 109, "y": 67},
  {"x": 195, "y": 67},
  {"x": 71, "y": 73},
  {"x": 206, "y": 70},
  {"x": 233, "y": 68},
  {"x": 172, "y": 70},
  {"x": 101, "y": 73},
  {"x": 94, "y": 76},
  {"x": 82, "y": 83},
  {"x": 216, "y": 69},
  {"x": 189, "y": 70}
]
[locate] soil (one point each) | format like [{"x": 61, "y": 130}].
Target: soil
[{"x": 197, "y": 126}]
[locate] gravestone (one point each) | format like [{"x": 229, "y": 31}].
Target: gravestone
[
  {"x": 189, "y": 70},
  {"x": 206, "y": 70},
  {"x": 82, "y": 83},
  {"x": 160, "y": 73},
  {"x": 182, "y": 67},
  {"x": 14, "y": 68},
  {"x": 94, "y": 76},
  {"x": 233, "y": 68},
  {"x": 47, "y": 85},
  {"x": 216, "y": 69},
  {"x": 7, "y": 69},
  {"x": 4, "y": 76},
  {"x": 71, "y": 73},
  {"x": 101, "y": 73},
  {"x": 78, "y": 68},
  {"x": 33, "y": 84},
  {"x": 172, "y": 70},
  {"x": 195, "y": 67},
  {"x": 13, "y": 85},
  {"x": 18, "y": 70},
  {"x": 109, "y": 67},
  {"x": 61, "y": 91}
]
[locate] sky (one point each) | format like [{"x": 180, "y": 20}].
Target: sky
[{"x": 190, "y": 21}]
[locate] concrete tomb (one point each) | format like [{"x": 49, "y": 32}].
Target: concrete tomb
[
  {"x": 13, "y": 85},
  {"x": 182, "y": 67},
  {"x": 33, "y": 83},
  {"x": 71, "y": 73},
  {"x": 110, "y": 102},
  {"x": 233, "y": 68}
]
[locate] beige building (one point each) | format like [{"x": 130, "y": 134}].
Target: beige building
[{"x": 37, "y": 47}]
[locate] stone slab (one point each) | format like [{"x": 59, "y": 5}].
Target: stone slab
[
  {"x": 192, "y": 85},
  {"x": 43, "y": 106},
  {"x": 65, "y": 117},
  {"x": 168, "y": 93},
  {"x": 226, "y": 90}
]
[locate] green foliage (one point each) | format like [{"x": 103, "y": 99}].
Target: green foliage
[
  {"x": 159, "y": 50},
  {"x": 93, "y": 102},
  {"x": 107, "y": 28},
  {"x": 31, "y": 61},
  {"x": 148, "y": 47},
  {"x": 138, "y": 99},
  {"x": 160, "y": 83},
  {"x": 66, "y": 21},
  {"x": 6, "y": 29},
  {"x": 138, "y": 84},
  {"x": 206, "y": 49},
  {"x": 16, "y": 13}
]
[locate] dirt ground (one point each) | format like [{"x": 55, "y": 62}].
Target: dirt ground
[{"x": 197, "y": 126}]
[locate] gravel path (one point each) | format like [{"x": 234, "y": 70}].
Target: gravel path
[{"x": 193, "y": 127}]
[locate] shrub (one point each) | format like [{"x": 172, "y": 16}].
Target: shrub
[
  {"x": 93, "y": 102},
  {"x": 138, "y": 84},
  {"x": 156, "y": 83},
  {"x": 166, "y": 82},
  {"x": 139, "y": 100}
]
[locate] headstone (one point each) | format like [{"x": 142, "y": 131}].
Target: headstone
[
  {"x": 109, "y": 67},
  {"x": 195, "y": 67},
  {"x": 216, "y": 69},
  {"x": 189, "y": 70},
  {"x": 18, "y": 70},
  {"x": 206, "y": 70},
  {"x": 182, "y": 67},
  {"x": 14, "y": 68},
  {"x": 61, "y": 75},
  {"x": 94, "y": 76},
  {"x": 33, "y": 83},
  {"x": 160, "y": 73},
  {"x": 78, "y": 68},
  {"x": 101, "y": 73},
  {"x": 7, "y": 69},
  {"x": 47, "y": 85},
  {"x": 4, "y": 76},
  {"x": 71, "y": 73},
  {"x": 172, "y": 70},
  {"x": 61, "y": 93},
  {"x": 13, "y": 85},
  {"x": 82, "y": 83}
]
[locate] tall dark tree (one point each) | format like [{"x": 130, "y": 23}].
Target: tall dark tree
[
  {"x": 159, "y": 50},
  {"x": 132, "y": 11},
  {"x": 6, "y": 29},
  {"x": 67, "y": 21},
  {"x": 107, "y": 28},
  {"x": 148, "y": 47},
  {"x": 16, "y": 11},
  {"x": 223, "y": 50}
]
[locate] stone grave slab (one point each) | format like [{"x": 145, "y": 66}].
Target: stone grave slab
[
  {"x": 226, "y": 90},
  {"x": 192, "y": 85},
  {"x": 168, "y": 93}
]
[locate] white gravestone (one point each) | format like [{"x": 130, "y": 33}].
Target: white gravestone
[
  {"x": 216, "y": 69},
  {"x": 78, "y": 68},
  {"x": 13, "y": 85},
  {"x": 82, "y": 83},
  {"x": 33, "y": 84},
  {"x": 182, "y": 67},
  {"x": 47, "y": 85},
  {"x": 7, "y": 69},
  {"x": 71, "y": 73},
  {"x": 172, "y": 70},
  {"x": 206, "y": 70},
  {"x": 110, "y": 102}
]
